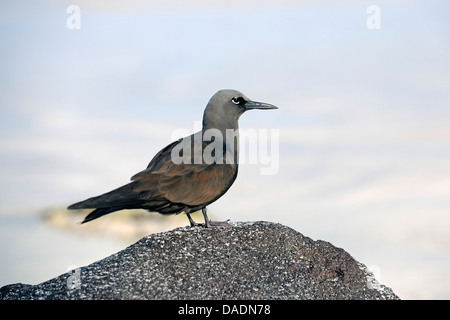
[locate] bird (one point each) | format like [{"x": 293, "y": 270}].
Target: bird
[{"x": 188, "y": 174}]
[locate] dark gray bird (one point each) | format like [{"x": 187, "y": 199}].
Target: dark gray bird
[{"x": 188, "y": 174}]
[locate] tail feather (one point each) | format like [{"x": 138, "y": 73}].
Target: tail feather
[
  {"x": 118, "y": 199},
  {"x": 90, "y": 203},
  {"x": 97, "y": 213}
]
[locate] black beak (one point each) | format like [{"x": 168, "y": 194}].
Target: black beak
[{"x": 249, "y": 105}]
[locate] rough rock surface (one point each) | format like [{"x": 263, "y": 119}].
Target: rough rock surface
[{"x": 253, "y": 260}]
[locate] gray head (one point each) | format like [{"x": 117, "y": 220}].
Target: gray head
[{"x": 226, "y": 106}]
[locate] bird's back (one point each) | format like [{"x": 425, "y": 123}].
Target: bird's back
[
  {"x": 169, "y": 187},
  {"x": 193, "y": 182}
]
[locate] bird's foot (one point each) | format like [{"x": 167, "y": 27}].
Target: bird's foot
[
  {"x": 218, "y": 224},
  {"x": 195, "y": 224},
  {"x": 208, "y": 223}
]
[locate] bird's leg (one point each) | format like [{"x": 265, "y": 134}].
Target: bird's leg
[
  {"x": 211, "y": 224},
  {"x": 192, "y": 222}
]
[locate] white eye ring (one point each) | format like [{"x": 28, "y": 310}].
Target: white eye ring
[{"x": 236, "y": 100}]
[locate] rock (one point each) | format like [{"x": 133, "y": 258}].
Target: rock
[{"x": 253, "y": 260}]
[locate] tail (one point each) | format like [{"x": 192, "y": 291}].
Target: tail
[
  {"x": 97, "y": 213},
  {"x": 118, "y": 199}
]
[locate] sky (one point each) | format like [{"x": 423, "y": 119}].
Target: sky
[{"x": 364, "y": 140}]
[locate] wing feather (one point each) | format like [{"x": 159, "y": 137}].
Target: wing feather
[{"x": 188, "y": 183}]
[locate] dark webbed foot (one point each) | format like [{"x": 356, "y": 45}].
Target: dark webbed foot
[{"x": 208, "y": 223}]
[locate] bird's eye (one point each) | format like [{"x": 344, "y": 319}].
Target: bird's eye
[{"x": 237, "y": 100}]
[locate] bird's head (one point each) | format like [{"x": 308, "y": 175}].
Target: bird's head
[{"x": 226, "y": 106}]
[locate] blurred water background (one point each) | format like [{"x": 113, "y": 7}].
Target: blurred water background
[{"x": 363, "y": 120}]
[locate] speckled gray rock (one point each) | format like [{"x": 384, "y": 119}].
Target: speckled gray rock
[{"x": 254, "y": 260}]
